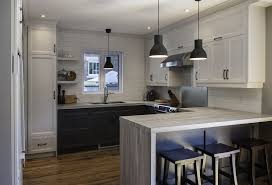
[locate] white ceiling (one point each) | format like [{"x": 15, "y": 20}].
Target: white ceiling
[{"x": 123, "y": 16}]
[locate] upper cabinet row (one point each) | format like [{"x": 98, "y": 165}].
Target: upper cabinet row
[{"x": 234, "y": 40}]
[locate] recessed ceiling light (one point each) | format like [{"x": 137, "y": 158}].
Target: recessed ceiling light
[
  {"x": 42, "y": 16},
  {"x": 186, "y": 10},
  {"x": 149, "y": 28}
]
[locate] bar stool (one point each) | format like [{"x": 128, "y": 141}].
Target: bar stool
[
  {"x": 180, "y": 158},
  {"x": 254, "y": 146},
  {"x": 217, "y": 152}
]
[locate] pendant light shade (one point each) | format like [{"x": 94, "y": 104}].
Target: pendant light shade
[
  {"x": 108, "y": 64},
  {"x": 158, "y": 50},
  {"x": 198, "y": 53}
]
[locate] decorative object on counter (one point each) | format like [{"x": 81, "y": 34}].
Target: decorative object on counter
[
  {"x": 70, "y": 99},
  {"x": 71, "y": 76},
  {"x": 63, "y": 97},
  {"x": 108, "y": 65},
  {"x": 198, "y": 53},
  {"x": 151, "y": 95},
  {"x": 158, "y": 50},
  {"x": 173, "y": 99},
  {"x": 59, "y": 95}
]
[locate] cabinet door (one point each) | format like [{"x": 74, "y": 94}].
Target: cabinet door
[
  {"x": 237, "y": 59},
  {"x": 42, "y": 40},
  {"x": 202, "y": 68},
  {"x": 219, "y": 59},
  {"x": 42, "y": 95}
]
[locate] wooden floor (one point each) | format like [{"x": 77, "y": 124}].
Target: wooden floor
[{"x": 88, "y": 168}]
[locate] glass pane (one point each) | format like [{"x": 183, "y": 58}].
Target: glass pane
[
  {"x": 112, "y": 77},
  {"x": 91, "y": 72}
]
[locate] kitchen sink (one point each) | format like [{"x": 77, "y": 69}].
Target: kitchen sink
[{"x": 110, "y": 102}]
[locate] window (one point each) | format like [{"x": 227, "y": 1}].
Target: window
[{"x": 95, "y": 77}]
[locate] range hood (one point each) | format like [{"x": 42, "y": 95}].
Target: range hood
[{"x": 178, "y": 60}]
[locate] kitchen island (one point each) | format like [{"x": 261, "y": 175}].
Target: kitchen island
[{"x": 138, "y": 136}]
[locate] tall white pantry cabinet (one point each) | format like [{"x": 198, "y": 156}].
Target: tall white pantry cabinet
[{"x": 41, "y": 87}]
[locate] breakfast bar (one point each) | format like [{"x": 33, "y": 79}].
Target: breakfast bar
[{"x": 138, "y": 136}]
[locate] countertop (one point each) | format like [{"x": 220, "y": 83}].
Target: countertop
[
  {"x": 90, "y": 105},
  {"x": 195, "y": 118}
]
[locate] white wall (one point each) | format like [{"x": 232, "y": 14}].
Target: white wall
[
  {"x": 6, "y": 143},
  {"x": 132, "y": 47}
]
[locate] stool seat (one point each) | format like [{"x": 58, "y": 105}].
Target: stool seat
[
  {"x": 183, "y": 154},
  {"x": 250, "y": 143},
  {"x": 216, "y": 150},
  {"x": 180, "y": 158}
]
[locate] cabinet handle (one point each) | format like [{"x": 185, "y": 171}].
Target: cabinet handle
[
  {"x": 224, "y": 74},
  {"x": 196, "y": 75},
  {"x": 180, "y": 47},
  {"x": 218, "y": 38},
  {"x": 54, "y": 95},
  {"x": 54, "y": 48},
  {"x": 227, "y": 74},
  {"x": 42, "y": 144},
  {"x": 166, "y": 77},
  {"x": 151, "y": 77}
]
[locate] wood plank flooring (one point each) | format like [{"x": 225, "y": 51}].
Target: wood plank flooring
[{"x": 87, "y": 168}]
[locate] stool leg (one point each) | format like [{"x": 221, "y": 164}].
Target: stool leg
[
  {"x": 233, "y": 169},
  {"x": 178, "y": 174},
  {"x": 184, "y": 175},
  {"x": 203, "y": 166},
  {"x": 267, "y": 161},
  {"x": 198, "y": 178},
  {"x": 215, "y": 162},
  {"x": 253, "y": 170},
  {"x": 165, "y": 171}
]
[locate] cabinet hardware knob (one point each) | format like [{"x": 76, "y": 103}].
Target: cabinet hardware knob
[{"x": 218, "y": 38}]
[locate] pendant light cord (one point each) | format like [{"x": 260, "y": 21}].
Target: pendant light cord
[
  {"x": 158, "y": 17},
  {"x": 108, "y": 44},
  {"x": 198, "y": 20}
]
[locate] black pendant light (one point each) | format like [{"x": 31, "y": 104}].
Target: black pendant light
[
  {"x": 108, "y": 65},
  {"x": 158, "y": 50},
  {"x": 198, "y": 53}
]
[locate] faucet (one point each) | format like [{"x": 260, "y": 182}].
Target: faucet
[{"x": 106, "y": 94}]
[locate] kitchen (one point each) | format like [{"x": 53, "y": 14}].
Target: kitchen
[{"x": 101, "y": 97}]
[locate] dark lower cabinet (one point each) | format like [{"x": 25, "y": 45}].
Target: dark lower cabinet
[{"x": 85, "y": 129}]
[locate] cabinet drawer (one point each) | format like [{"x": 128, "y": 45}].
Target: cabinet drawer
[{"x": 40, "y": 144}]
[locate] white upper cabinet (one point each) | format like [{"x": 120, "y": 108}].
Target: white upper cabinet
[
  {"x": 42, "y": 39},
  {"x": 202, "y": 68},
  {"x": 236, "y": 48}
]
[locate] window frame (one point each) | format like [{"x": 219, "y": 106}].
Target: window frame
[{"x": 102, "y": 72}]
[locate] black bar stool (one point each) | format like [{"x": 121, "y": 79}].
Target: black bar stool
[
  {"x": 217, "y": 152},
  {"x": 181, "y": 158},
  {"x": 254, "y": 146}
]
